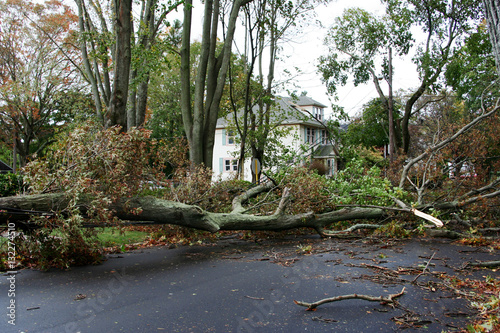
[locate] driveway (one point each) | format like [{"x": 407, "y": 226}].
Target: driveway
[{"x": 244, "y": 286}]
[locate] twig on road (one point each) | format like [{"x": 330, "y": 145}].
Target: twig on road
[{"x": 382, "y": 299}]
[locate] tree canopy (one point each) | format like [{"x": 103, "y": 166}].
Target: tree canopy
[{"x": 38, "y": 73}]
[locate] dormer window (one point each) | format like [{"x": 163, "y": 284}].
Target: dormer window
[
  {"x": 318, "y": 113},
  {"x": 324, "y": 137}
]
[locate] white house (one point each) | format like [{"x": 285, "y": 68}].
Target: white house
[{"x": 303, "y": 116}]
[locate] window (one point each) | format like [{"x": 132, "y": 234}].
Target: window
[
  {"x": 330, "y": 163},
  {"x": 318, "y": 113},
  {"x": 230, "y": 165},
  {"x": 228, "y": 138},
  {"x": 310, "y": 135},
  {"x": 324, "y": 137}
]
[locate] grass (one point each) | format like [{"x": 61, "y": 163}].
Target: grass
[{"x": 114, "y": 237}]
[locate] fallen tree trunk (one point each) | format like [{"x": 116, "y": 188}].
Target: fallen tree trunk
[{"x": 169, "y": 212}]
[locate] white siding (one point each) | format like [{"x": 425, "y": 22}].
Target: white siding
[{"x": 223, "y": 150}]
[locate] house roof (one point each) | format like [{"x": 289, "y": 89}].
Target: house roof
[
  {"x": 305, "y": 101},
  {"x": 4, "y": 168},
  {"x": 288, "y": 111},
  {"x": 324, "y": 151}
]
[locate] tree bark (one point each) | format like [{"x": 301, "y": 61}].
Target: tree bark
[
  {"x": 159, "y": 211},
  {"x": 118, "y": 104},
  {"x": 392, "y": 135},
  {"x": 492, "y": 12},
  {"x": 201, "y": 119},
  {"x": 185, "y": 72},
  {"x": 168, "y": 212},
  {"x": 89, "y": 74}
]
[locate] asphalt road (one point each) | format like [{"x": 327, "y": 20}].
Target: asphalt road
[{"x": 241, "y": 286}]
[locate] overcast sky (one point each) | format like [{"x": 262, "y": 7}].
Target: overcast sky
[{"x": 309, "y": 47}]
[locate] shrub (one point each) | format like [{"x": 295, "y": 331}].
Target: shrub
[
  {"x": 319, "y": 167},
  {"x": 10, "y": 184},
  {"x": 99, "y": 165}
]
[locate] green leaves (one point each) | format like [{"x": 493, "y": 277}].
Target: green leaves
[
  {"x": 355, "y": 185},
  {"x": 10, "y": 184},
  {"x": 371, "y": 128},
  {"x": 472, "y": 69},
  {"x": 358, "y": 42}
]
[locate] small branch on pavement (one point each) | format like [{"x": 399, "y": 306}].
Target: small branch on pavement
[
  {"x": 342, "y": 233},
  {"x": 256, "y": 298},
  {"x": 425, "y": 268},
  {"x": 382, "y": 299}
]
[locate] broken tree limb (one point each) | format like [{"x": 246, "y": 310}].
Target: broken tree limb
[
  {"x": 388, "y": 300},
  {"x": 340, "y": 233},
  {"x": 428, "y": 217},
  {"x": 285, "y": 198},
  {"x": 239, "y": 200},
  {"x": 418, "y": 213},
  {"x": 489, "y": 264},
  {"x": 162, "y": 211}
]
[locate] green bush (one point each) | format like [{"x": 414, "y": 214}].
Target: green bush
[{"x": 10, "y": 184}]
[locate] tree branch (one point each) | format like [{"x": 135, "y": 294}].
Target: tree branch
[
  {"x": 169, "y": 212},
  {"x": 385, "y": 300},
  {"x": 445, "y": 142}
]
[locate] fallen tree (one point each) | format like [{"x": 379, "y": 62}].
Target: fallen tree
[
  {"x": 149, "y": 209},
  {"x": 101, "y": 174},
  {"x": 161, "y": 211}
]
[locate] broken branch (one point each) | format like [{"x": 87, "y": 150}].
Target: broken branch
[
  {"x": 494, "y": 263},
  {"x": 425, "y": 268},
  {"x": 382, "y": 299}
]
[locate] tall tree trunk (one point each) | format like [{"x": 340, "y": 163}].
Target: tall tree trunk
[
  {"x": 142, "y": 100},
  {"x": 201, "y": 120},
  {"x": 405, "y": 122},
  {"x": 260, "y": 123},
  {"x": 392, "y": 136},
  {"x": 86, "y": 62},
  {"x": 185, "y": 70},
  {"x": 132, "y": 102},
  {"x": 492, "y": 12},
  {"x": 147, "y": 33},
  {"x": 14, "y": 153},
  {"x": 118, "y": 104}
]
